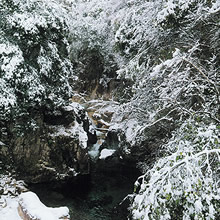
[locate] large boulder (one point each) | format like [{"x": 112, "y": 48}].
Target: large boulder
[
  {"x": 55, "y": 150},
  {"x": 30, "y": 207}
]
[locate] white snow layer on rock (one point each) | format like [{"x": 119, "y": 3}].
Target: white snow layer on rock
[
  {"x": 74, "y": 131},
  {"x": 32, "y": 205},
  {"x": 74, "y": 106},
  {"x": 106, "y": 153},
  {"x": 8, "y": 208}
]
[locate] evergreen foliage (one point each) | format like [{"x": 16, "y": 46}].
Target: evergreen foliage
[{"x": 34, "y": 56}]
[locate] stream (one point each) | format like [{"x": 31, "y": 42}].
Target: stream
[
  {"x": 93, "y": 197},
  {"x": 96, "y": 196}
]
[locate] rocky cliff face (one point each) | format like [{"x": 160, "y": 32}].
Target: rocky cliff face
[
  {"x": 39, "y": 138},
  {"x": 55, "y": 150}
]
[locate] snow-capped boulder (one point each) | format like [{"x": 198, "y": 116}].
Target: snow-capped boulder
[{"x": 31, "y": 208}]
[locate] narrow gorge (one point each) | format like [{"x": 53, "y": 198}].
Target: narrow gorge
[
  {"x": 101, "y": 193},
  {"x": 109, "y": 110}
]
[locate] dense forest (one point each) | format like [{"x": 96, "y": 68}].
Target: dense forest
[{"x": 113, "y": 83}]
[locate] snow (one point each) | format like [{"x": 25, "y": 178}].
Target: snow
[
  {"x": 96, "y": 115},
  {"x": 170, "y": 7},
  {"x": 9, "y": 198},
  {"x": 159, "y": 69},
  {"x": 8, "y": 208},
  {"x": 29, "y": 21},
  {"x": 215, "y": 7},
  {"x": 74, "y": 131},
  {"x": 11, "y": 58},
  {"x": 2, "y": 144},
  {"x": 94, "y": 152},
  {"x": 180, "y": 175},
  {"x": 133, "y": 24},
  {"x": 74, "y": 106},
  {"x": 77, "y": 129},
  {"x": 33, "y": 206},
  {"x": 83, "y": 138},
  {"x": 10, "y": 63},
  {"x": 73, "y": 171},
  {"x": 206, "y": 133},
  {"x": 132, "y": 130},
  {"x": 106, "y": 153},
  {"x": 102, "y": 112}
]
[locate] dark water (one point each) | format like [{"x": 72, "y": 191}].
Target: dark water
[{"x": 94, "y": 197}]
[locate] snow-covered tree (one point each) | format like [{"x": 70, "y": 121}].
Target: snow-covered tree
[
  {"x": 171, "y": 78},
  {"x": 184, "y": 183},
  {"x": 33, "y": 55},
  {"x": 181, "y": 89}
]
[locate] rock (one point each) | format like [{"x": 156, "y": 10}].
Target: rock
[
  {"x": 78, "y": 98},
  {"x": 3, "y": 202},
  {"x": 94, "y": 78},
  {"x": 10, "y": 186},
  {"x": 56, "y": 149},
  {"x": 31, "y": 208},
  {"x": 111, "y": 139}
]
